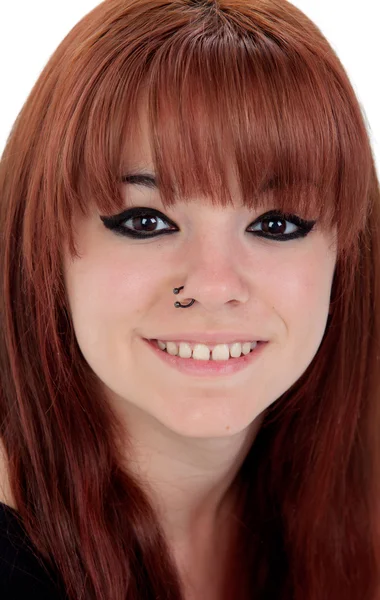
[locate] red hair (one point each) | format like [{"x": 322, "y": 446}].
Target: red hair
[{"x": 249, "y": 84}]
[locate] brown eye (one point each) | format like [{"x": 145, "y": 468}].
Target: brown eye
[
  {"x": 143, "y": 223},
  {"x": 279, "y": 227},
  {"x": 140, "y": 223},
  {"x": 274, "y": 226}
]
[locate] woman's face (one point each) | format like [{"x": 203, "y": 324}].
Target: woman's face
[{"x": 121, "y": 292}]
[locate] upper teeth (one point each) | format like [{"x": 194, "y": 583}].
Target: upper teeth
[{"x": 202, "y": 351}]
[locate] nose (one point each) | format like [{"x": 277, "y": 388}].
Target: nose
[{"x": 214, "y": 275}]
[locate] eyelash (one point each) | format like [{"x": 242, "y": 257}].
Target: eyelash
[{"x": 115, "y": 223}]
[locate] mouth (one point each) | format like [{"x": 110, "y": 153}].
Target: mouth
[
  {"x": 200, "y": 351},
  {"x": 204, "y": 366}
]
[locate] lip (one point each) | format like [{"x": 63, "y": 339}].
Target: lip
[
  {"x": 207, "y": 337},
  {"x": 206, "y": 368}
]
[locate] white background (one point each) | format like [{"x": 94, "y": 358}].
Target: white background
[{"x": 30, "y": 31}]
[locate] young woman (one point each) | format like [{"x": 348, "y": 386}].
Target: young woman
[{"x": 189, "y": 320}]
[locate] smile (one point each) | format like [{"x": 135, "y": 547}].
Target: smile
[
  {"x": 199, "y": 351},
  {"x": 204, "y": 367}
]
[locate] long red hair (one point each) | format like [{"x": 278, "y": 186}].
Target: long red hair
[{"x": 253, "y": 84}]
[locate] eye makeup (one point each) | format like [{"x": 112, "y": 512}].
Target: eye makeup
[{"x": 149, "y": 218}]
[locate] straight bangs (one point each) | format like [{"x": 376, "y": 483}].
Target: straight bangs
[{"x": 227, "y": 92}]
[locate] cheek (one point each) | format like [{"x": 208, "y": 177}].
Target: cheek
[
  {"x": 105, "y": 290},
  {"x": 303, "y": 299}
]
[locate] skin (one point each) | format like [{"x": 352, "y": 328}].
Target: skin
[{"x": 189, "y": 436}]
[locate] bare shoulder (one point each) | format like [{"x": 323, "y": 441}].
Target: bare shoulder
[{"x": 5, "y": 489}]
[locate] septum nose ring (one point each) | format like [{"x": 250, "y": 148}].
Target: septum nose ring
[{"x": 178, "y": 304}]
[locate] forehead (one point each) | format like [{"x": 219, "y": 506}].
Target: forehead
[
  {"x": 138, "y": 149},
  {"x": 139, "y": 154}
]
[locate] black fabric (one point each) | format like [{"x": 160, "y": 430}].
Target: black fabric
[{"x": 23, "y": 575}]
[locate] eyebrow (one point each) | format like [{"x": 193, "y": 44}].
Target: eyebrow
[{"x": 148, "y": 180}]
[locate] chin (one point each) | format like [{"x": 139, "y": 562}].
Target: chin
[{"x": 209, "y": 426}]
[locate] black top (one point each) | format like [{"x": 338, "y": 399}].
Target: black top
[{"x": 22, "y": 572}]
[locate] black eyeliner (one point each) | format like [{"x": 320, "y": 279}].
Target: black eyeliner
[
  {"x": 114, "y": 223},
  {"x": 288, "y": 217},
  {"x": 115, "y": 220},
  {"x": 305, "y": 226}
]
